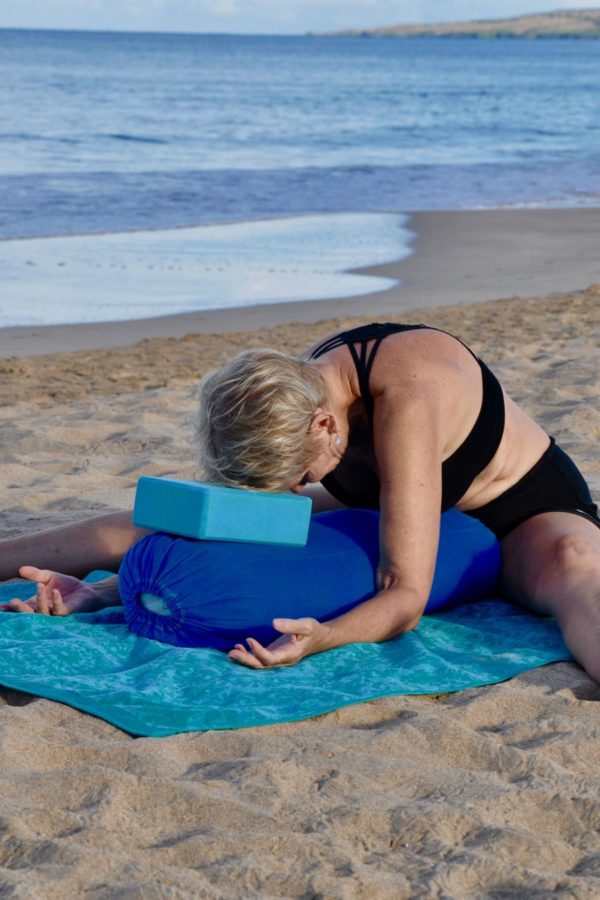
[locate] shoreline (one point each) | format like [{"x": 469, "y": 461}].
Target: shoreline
[{"x": 459, "y": 257}]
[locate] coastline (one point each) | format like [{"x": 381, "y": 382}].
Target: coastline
[{"x": 459, "y": 257}]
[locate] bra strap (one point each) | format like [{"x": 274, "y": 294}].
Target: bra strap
[
  {"x": 330, "y": 344},
  {"x": 363, "y": 365}
]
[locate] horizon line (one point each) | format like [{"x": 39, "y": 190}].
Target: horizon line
[{"x": 77, "y": 30}]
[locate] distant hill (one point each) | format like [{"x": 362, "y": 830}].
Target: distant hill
[{"x": 575, "y": 23}]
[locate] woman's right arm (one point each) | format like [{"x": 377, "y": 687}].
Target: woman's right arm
[{"x": 98, "y": 543}]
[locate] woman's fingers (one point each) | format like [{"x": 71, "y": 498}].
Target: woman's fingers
[
  {"x": 20, "y": 606},
  {"x": 240, "y": 655},
  {"x": 264, "y": 656},
  {"x": 285, "y": 651},
  {"x": 32, "y": 573},
  {"x": 58, "y": 604},
  {"x": 46, "y": 602},
  {"x": 302, "y": 627},
  {"x": 49, "y": 601},
  {"x": 43, "y": 599},
  {"x": 259, "y": 657}
]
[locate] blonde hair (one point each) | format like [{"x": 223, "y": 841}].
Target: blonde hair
[{"x": 254, "y": 418}]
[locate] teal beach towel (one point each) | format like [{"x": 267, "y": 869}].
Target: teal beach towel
[{"x": 94, "y": 663}]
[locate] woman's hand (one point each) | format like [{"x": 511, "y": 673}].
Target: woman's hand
[
  {"x": 56, "y": 594},
  {"x": 299, "y": 638}
]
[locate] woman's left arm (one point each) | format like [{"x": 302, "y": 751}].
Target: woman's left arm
[{"x": 408, "y": 449}]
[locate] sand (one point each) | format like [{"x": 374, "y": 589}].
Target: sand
[{"x": 491, "y": 792}]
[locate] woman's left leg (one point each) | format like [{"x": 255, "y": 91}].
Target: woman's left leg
[
  {"x": 97, "y": 543},
  {"x": 551, "y": 563}
]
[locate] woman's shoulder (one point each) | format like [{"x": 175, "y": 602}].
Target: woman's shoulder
[
  {"x": 397, "y": 349},
  {"x": 423, "y": 356}
]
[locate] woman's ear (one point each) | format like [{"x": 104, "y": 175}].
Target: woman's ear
[{"x": 322, "y": 422}]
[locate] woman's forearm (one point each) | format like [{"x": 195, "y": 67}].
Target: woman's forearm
[
  {"x": 386, "y": 615},
  {"x": 97, "y": 543}
]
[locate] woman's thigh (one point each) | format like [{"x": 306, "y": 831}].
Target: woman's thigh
[{"x": 553, "y": 560}]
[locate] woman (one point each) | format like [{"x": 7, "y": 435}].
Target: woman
[
  {"x": 407, "y": 418},
  {"x": 402, "y": 417}
]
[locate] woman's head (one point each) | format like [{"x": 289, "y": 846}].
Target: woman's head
[{"x": 255, "y": 420}]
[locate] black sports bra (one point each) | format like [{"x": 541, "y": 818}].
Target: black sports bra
[{"x": 460, "y": 469}]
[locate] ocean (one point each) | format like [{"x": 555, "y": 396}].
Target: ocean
[{"x": 111, "y": 133}]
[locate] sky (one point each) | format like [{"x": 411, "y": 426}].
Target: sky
[{"x": 259, "y": 16}]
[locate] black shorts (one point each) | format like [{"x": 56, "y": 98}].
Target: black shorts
[{"x": 554, "y": 484}]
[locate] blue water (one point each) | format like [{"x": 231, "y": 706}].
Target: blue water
[
  {"x": 102, "y": 132},
  {"x": 124, "y": 132}
]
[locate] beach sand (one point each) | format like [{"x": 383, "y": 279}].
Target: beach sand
[{"x": 490, "y": 792}]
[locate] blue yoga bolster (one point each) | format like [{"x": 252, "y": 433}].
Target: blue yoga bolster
[{"x": 216, "y": 593}]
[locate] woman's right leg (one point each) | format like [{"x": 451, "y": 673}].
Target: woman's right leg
[
  {"x": 552, "y": 565},
  {"x": 97, "y": 543}
]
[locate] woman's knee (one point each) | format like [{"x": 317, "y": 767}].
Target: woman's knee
[
  {"x": 569, "y": 566},
  {"x": 572, "y": 554}
]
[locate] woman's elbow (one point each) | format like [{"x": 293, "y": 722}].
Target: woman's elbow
[
  {"x": 409, "y": 614},
  {"x": 411, "y": 623},
  {"x": 408, "y": 623}
]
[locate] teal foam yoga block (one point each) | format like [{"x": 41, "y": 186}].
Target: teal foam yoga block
[{"x": 196, "y": 509}]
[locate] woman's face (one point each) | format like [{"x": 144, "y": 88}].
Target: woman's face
[{"x": 324, "y": 461}]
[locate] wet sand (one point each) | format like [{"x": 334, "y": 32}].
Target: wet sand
[{"x": 459, "y": 257}]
